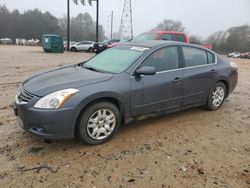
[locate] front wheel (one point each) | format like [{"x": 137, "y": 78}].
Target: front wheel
[
  {"x": 91, "y": 50},
  {"x": 99, "y": 123},
  {"x": 73, "y": 49},
  {"x": 217, "y": 96}
]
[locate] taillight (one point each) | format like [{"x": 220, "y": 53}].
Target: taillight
[{"x": 234, "y": 66}]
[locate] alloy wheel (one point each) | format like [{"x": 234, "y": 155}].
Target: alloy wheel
[
  {"x": 218, "y": 96},
  {"x": 101, "y": 124}
]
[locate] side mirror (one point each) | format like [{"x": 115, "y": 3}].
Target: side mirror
[{"x": 145, "y": 70}]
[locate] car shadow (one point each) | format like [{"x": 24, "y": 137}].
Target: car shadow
[{"x": 125, "y": 131}]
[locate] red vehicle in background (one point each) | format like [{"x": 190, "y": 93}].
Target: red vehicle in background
[
  {"x": 163, "y": 35},
  {"x": 245, "y": 55}
]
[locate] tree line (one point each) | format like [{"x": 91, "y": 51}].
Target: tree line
[{"x": 32, "y": 24}]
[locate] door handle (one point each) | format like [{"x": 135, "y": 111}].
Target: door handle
[{"x": 177, "y": 80}]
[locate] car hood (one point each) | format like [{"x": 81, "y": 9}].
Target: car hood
[{"x": 73, "y": 76}]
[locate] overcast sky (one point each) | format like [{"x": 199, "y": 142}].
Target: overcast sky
[{"x": 200, "y": 17}]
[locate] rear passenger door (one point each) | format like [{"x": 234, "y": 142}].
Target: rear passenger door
[
  {"x": 80, "y": 46},
  {"x": 199, "y": 73}
]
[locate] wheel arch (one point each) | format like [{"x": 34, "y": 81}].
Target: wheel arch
[
  {"x": 225, "y": 82},
  {"x": 112, "y": 100}
]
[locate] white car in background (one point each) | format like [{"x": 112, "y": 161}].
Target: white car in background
[
  {"x": 234, "y": 54},
  {"x": 6, "y": 41},
  {"x": 65, "y": 44},
  {"x": 83, "y": 46}
]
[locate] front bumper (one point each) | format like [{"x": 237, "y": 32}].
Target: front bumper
[{"x": 46, "y": 124}]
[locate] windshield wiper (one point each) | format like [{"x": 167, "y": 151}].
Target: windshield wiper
[
  {"x": 91, "y": 68},
  {"x": 96, "y": 70}
]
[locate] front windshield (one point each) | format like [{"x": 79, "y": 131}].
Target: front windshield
[
  {"x": 115, "y": 60},
  {"x": 145, "y": 37}
]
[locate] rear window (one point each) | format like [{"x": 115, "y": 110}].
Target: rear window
[
  {"x": 145, "y": 37},
  {"x": 194, "y": 56},
  {"x": 180, "y": 37},
  {"x": 166, "y": 37},
  {"x": 210, "y": 58}
]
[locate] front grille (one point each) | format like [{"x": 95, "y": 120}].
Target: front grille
[{"x": 25, "y": 96}]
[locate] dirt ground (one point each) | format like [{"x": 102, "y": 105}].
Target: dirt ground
[{"x": 193, "y": 148}]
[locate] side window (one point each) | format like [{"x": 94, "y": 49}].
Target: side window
[
  {"x": 180, "y": 38},
  {"x": 210, "y": 58},
  {"x": 194, "y": 56},
  {"x": 166, "y": 37},
  {"x": 163, "y": 59}
]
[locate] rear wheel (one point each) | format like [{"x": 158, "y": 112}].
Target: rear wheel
[
  {"x": 91, "y": 50},
  {"x": 217, "y": 96},
  {"x": 99, "y": 123},
  {"x": 73, "y": 49}
]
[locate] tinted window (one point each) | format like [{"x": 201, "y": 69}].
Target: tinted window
[
  {"x": 166, "y": 37},
  {"x": 180, "y": 38},
  {"x": 163, "y": 59},
  {"x": 210, "y": 58},
  {"x": 81, "y": 43},
  {"x": 194, "y": 56},
  {"x": 145, "y": 37}
]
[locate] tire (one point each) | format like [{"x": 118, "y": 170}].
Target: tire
[
  {"x": 73, "y": 49},
  {"x": 217, "y": 96},
  {"x": 93, "y": 128},
  {"x": 91, "y": 50}
]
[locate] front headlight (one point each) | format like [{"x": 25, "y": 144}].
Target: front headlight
[{"x": 55, "y": 100}]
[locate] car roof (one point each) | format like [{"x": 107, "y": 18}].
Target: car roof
[
  {"x": 151, "y": 43},
  {"x": 86, "y": 41},
  {"x": 156, "y": 43},
  {"x": 162, "y": 43},
  {"x": 167, "y": 32}
]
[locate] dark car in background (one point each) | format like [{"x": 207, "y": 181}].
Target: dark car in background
[
  {"x": 101, "y": 46},
  {"x": 90, "y": 100}
]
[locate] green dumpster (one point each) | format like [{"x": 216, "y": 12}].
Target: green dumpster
[{"x": 52, "y": 43}]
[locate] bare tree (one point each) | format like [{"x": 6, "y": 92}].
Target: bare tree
[
  {"x": 170, "y": 25},
  {"x": 195, "y": 39},
  {"x": 234, "y": 39},
  {"x": 217, "y": 38}
]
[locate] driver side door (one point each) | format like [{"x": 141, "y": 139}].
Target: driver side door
[{"x": 160, "y": 92}]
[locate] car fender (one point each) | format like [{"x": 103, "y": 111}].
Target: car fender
[{"x": 103, "y": 95}]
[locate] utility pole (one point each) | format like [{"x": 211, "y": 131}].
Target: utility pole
[
  {"x": 97, "y": 20},
  {"x": 97, "y": 14},
  {"x": 68, "y": 25},
  {"x": 112, "y": 21}
]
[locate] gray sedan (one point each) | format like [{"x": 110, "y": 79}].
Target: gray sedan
[{"x": 92, "y": 99}]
